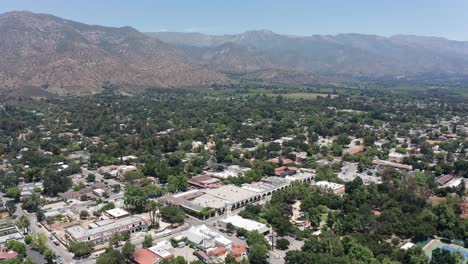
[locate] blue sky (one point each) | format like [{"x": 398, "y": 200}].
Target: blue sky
[{"x": 447, "y": 18}]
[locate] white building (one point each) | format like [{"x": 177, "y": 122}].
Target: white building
[
  {"x": 206, "y": 238},
  {"x": 99, "y": 232},
  {"x": 247, "y": 224},
  {"x": 331, "y": 186}
]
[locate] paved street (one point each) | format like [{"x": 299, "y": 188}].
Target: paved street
[{"x": 35, "y": 227}]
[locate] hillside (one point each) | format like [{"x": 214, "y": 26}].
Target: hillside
[{"x": 66, "y": 57}]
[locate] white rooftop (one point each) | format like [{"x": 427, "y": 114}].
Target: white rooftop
[
  {"x": 247, "y": 224},
  {"x": 117, "y": 212}
]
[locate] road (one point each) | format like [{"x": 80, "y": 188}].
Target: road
[{"x": 60, "y": 250}]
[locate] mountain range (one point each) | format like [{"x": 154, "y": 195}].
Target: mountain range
[
  {"x": 66, "y": 57},
  {"x": 338, "y": 55},
  {"x": 40, "y": 51}
]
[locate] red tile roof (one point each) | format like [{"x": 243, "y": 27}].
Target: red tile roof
[
  {"x": 442, "y": 180},
  {"x": 145, "y": 256},
  {"x": 8, "y": 255},
  {"x": 219, "y": 251},
  {"x": 238, "y": 250}
]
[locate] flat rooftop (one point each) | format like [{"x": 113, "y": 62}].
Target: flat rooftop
[
  {"x": 247, "y": 224},
  {"x": 231, "y": 193},
  {"x": 117, "y": 213},
  {"x": 78, "y": 232}
]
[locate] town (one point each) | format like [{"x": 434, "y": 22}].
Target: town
[{"x": 224, "y": 176}]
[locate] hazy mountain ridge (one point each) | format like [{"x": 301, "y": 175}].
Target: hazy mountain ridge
[
  {"x": 68, "y": 57},
  {"x": 355, "y": 55}
]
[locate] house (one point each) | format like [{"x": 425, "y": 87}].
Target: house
[
  {"x": 204, "y": 237},
  {"x": 395, "y": 165},
  {"x": 9, "y": 232},
  {"x": 238, "y": 251},
  {"x": 5, "y": 255},
  {"x": 283, "y": 161},
  {"x": 75, "y": 194},
  {"x": 444, "y": 179},
  {"x": 300, "y": 156},
  {"x": 145, "y": 256},
  {"x": 285, "y": 170},
  {"x": 464, "y": 208},
  {"x": 396, "y": 157},
  {"x": 217, "y": 252},
  {"x": 355, "y": 150},
  {"x": 407, "y": 246}
]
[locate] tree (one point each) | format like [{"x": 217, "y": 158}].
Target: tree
[
  {"x": 125, "y": 236},
  {"x": 153, "y": 209},
  {"x": 148, "y": 241},
  {"x": 32, "y": 204},
  {"x": 111, "y": 255},
  {"x": 91, "y": 177},
  {"x": 49, "y": 256},
  {"x": 84, "y": 214},
  {"x": 357, "y": 253},
  {"x": 177, "y": 183},
  {"x": 55, "y": 183},
  {"x": 172, "y": 214},
  {"x": 115, "y": 239},
  {"x": 255, "y": 238},
  {"x": 80, "y": 249},
  {"x": 258, "y": 254},
  {"x": 128, "y": 250},
  {"x": 10, "y": 207},
  {"x": 23, "y": 222},
  {"x": 282, "y": 244},
  {"x": 84, "y": 197},
  {"x": 442, "y": 256},
  {"x": 27, "y": 261},
  {"x": 13, "y": 192},
  {"x": 39, "y": 242},
  {"x": 16, "y": 246},
  {"x": 135, "y": 198},
  {"x": 343, "y": 140},
  {"x": 242, "y": 232},
  {"x": 116, "y": 188}
]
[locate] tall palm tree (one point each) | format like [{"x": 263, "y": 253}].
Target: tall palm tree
[{"x": 153, "y": 207}]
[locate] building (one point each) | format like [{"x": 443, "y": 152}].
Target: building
[
  {"x": 239, "y": 251},
  {"x": 396, "y": 157},
  {"x": 230, "y": 171},
  {"x": 5, "y": 255},
  {"x": 354, "y": 150},
  {"x": 99, "y": 232},
  {"x": 247, "y": 224},
  {"x": 444, "y": 179},
  {"x": 208, "y": 203},
  {"x": 392, "y": 164},
  {"x": 286, "y": 171},
  {"x": 331, "y": 186},
  {"x": 267, "y": 186},
  {"x": 117, "y": 213},
  {"x": 9, "y": 232},
  {"x": 145, "y": 256},
  {"x": 205, "y": 238},
  {"x": 205, "y": 181}
]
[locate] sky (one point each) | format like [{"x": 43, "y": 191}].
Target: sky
[{"x": 444, "y": 18}]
